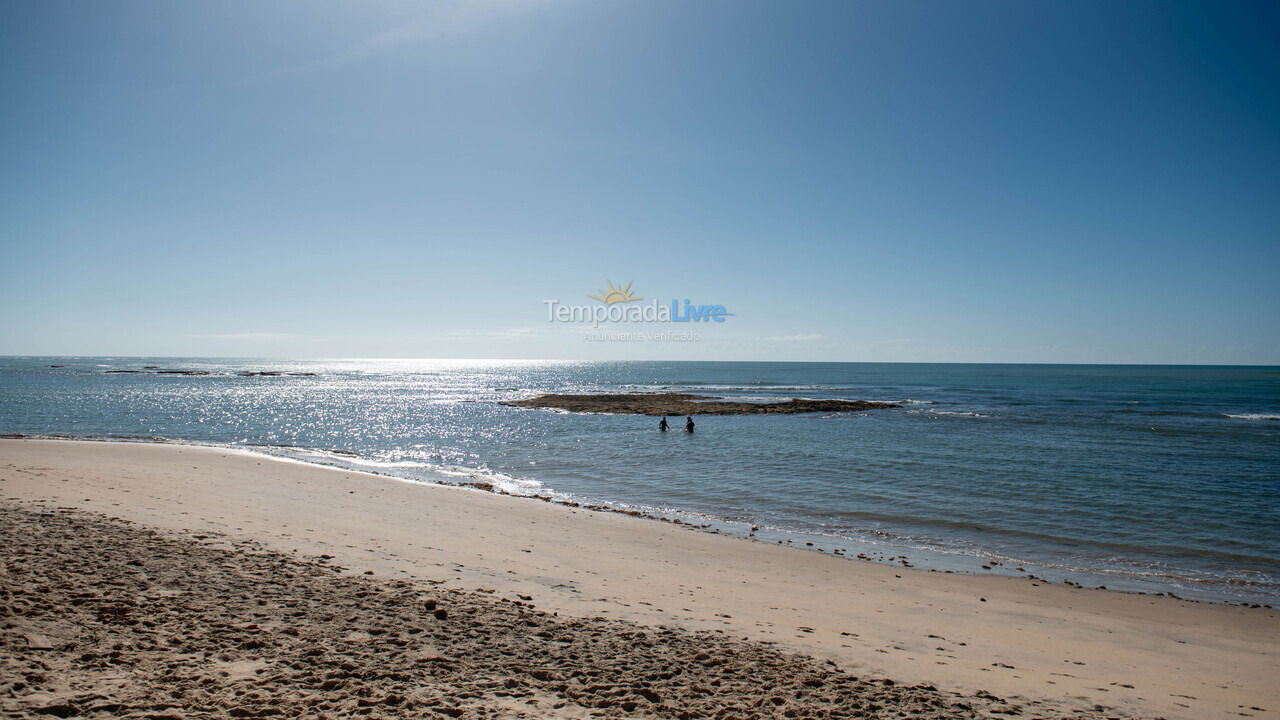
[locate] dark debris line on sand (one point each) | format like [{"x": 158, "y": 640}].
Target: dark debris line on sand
[{"x": 102, "y": 618}]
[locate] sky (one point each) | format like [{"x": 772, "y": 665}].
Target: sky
[{"x": 1005, "y": 181}]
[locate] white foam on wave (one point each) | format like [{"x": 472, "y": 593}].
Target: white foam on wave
[
  {"x": 1253, "y": 416},
  {"x": 515, "y": 485},
  {"x": 908, "y": 401},
  {"x": 446, "y": 473},
  {"x": 950, "y": 413},
  {"x": 353, "y": 459},
  {"x": 499, "y": 480}
]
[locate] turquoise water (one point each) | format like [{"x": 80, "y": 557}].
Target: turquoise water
[{"x": 1150, "y": 478}]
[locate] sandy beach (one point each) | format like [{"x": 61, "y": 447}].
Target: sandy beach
[{"x": 234, "y": 584}]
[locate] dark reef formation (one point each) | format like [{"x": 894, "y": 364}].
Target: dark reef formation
[
  {"x": 686, "y": 404},
  {"x": 154, "y": 370}
]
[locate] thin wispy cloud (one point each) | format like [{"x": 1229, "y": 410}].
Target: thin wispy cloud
[
  {"x": 244, "y": 336},
  {"x": 518, "y": 333},
  {"x": 802, "y": 337},
  {"x": 442, "y": 19}
]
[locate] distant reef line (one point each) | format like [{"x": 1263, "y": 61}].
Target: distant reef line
[
  {"x": 685, "y": 404},
  {"x": 155, "y": 370}
]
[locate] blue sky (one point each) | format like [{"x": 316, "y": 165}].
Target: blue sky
[{"x": 893, "y": 181}]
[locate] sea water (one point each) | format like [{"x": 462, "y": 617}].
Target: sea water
[{"x": 1139, "y": 478}]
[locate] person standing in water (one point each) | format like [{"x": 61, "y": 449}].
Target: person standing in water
[
  {"x": 663, "y": 425},
  {"x": 688, "y": 424}
]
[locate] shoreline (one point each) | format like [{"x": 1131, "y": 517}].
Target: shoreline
[
  {"x": 162, "y": 600},
  {"x": 1140, "y": 655},
  {"x": 887, "y": 553}
]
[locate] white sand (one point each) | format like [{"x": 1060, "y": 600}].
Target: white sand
[{"x": 1074, "y": 647}]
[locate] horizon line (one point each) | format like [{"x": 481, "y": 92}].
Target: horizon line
[{"x": 583, "y": 360}]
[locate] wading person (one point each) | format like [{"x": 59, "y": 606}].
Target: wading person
[
  {"x": 688, "y": 424},
  {"x": 663, "y": 425}
]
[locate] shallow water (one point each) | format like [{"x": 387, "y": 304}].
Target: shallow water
[{"x": 1153, "y": 478}]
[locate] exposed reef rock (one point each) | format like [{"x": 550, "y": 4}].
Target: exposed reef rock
[
  {"x": 155, "y": 370},
  {"x": 685, "y": 404},
  {"x": 273, "y": 373}
]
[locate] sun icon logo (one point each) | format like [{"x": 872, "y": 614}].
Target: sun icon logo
[{"x": 615, "y": 294}]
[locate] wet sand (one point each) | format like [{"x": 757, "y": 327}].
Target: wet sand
[{"x": 987, "y": 644}]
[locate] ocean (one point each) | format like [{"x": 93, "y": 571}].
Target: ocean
[{"x": 1136, "y": 478}]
